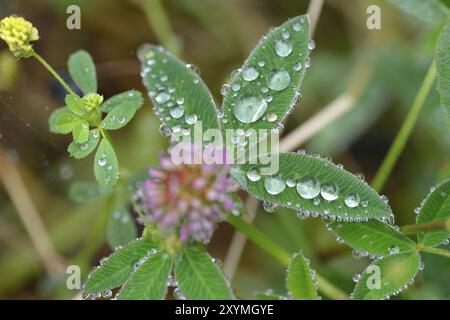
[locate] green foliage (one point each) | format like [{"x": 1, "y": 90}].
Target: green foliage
[
  {"x": 301, "y": 166},
  {"x": 63, "y": 121},
  {"x": 178, "y": 94},
  {"x": 149, "y": 280},
  {"x": 86, "y": 191},
  {"x": 119, "y": 116},
  {"x": 81, "y": 150},
  {"x": 82, "y": 113},
  {"x": 372, "y": 237},
  {"x": 443, "y": 68},
  {"x": 198, "y": 277},
  {"x": 121, "y": 229},
  {"x": 82, "y": 70},
  {"x": 436, "y": 206},
  {"x": 115, "y": 270},
  {"x": 106, "y": 167},
  {"x": 81, "y": 132},
  {"x": 431, "y": 11},
  {"x": 387, "y": 276},
  {"x": 300, "y": 279},
  {"x": 267, "y": 86},
  {"x": 133, "y": 97}
]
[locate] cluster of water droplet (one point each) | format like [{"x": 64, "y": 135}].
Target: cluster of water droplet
[
  {"x": 308, "y": 188},
  {"x": 357, "y": 278},
  {"x": 103, "y": 163},
  {"x": 107, "y": 294},
  {"x": 168, "y": 105},
  {"x": 254, "y": 106}
]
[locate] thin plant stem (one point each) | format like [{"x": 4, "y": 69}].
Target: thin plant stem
[
  {"x": 405, "y": 131},
  {"x": 424, "y": 227},
  {"x": 96, "y": 235},
  {"x": 160, "y": 23},
  {"x": 53, "y": 72},
  {"x": 436, "y": 251},
  {"x": 282, "y": 256}
]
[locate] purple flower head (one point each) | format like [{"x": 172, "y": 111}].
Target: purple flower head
[{"x": 187, "y": 200}]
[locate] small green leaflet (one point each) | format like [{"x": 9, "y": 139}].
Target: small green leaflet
[
  {"x": 310, "y": 184},
  {"x": 179, "y": 96},
  {"x": 54, "y": 128},
  {"x": 133, "y": 97},
  {"x": 199, "y": 278},
  {"x": 115, "y": 270},
  {"x": 431, "y": 11},
  {"x": 436, "y": 206},
  {"x": 300, "y": 279},
  {"x": 264, "y": 90},
  {"x": 81, "y": 132},
  {"x": 149, "y": 280},
  {"x": 121, "y": 229},
  {"x": 82, "y": 71},
  {"x": 63, "y": 121},
  {"x": 387, "y": 276},
  {"x": 119, "y": 116},
  {"x": 372, "y": 237},
  {"x": 86, "y": 191},
  {"x": 443, "y": 68},
  {"x": 75, "y": 104},
  {"x": 79, "y": 151},
  {"x": 106, "y": 167}
]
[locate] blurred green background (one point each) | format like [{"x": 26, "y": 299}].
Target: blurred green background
[{"x": 216, "y": 36}]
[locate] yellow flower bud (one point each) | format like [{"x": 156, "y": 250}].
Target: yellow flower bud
[
  {"x": 92, "y": 101},
  {"x": 18, "y": 34}
]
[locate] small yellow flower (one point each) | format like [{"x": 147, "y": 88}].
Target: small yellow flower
[
  {"x": 18, "y": 34},
  {"x": 92, "y": 101}
]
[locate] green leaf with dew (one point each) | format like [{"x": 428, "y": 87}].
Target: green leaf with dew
[
  {"x": 115, "y": 269},
  {"x": 149, "y": 280},
  {"x": 106, "y": 166},
  {"x": 435, "y": 207},
  {"x": 312, "y": 186},
  {"x": 387, "y": 276},
  {"x": 300, "y": 279},
  {"x": 372, "y": 237},
  {"x": 199, "y": 278}
]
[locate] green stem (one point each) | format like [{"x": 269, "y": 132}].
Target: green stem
[
  {"x": 96, "y": 236},
  {"x": 437, "y": 251},
  {"x": 405, "y": 131},
  {"x": 158, "y": 20},
  {"x": 424, "y": 227},
  {"x": 266, "y": 244},
  {"x": 53, "y": 72}
]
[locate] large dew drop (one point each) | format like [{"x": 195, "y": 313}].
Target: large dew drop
[
  {"x": 283, "y": 48},
  {"x": 249, "y": 74},
  {"x": 274, "y": 185},
  {"x": 191, "y": 119},
  {"x": 253, "y": 175},
  {"x": 250, "y": 109},
  {"x": 308, "y": 188},
  {"x": 279, "y": 80},
  {"x": 329, "y": 192},
  {"x": 162, "y": 97},
  {"x": 176, "y": 112},
  {"x": 352, "y": 200}
]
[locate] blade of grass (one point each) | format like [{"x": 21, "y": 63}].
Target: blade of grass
[
  {"x": 265, "y": 243},
  {"x": 405, "y": 131}
]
